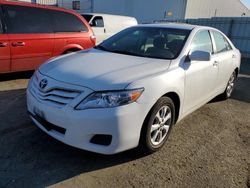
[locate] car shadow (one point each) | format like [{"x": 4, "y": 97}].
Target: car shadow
[
  {"x": 15, "y": 75},
  {"x": 242, "y": 89},
  {"x": 245, "y": 66},
  {"x": 30, "y": 157}
]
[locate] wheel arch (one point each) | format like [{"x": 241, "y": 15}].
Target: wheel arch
[
  {"x": 72, "y": 47},
  {"x": 176, "y": 100}
]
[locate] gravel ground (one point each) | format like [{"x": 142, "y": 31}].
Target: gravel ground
[{"x": 209, "y": 148}]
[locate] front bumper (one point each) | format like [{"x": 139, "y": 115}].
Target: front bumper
[{"x": 76, "y": 128}]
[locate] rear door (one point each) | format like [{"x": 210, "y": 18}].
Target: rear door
[
  {"x": 30, "y": 34},
  {"x": 70, "y": 32},
  {"x": 4, "y": 47},
  {"x": 225, "y": 58}
]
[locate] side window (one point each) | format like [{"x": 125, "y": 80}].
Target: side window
[
  {"x": 202, "y": 42},
  {"x": 22, "y": 19},
  {"x": 66, "y": 22},
  {"x": 97, "y": 22},
  {"x": 221, "y": 42}
]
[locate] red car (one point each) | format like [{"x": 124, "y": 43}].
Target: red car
[{"x": 30, "y": 34}]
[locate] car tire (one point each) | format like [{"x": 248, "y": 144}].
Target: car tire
[
  {"x": 157, "y": 125},
  {"x": 230, "y": 87}
]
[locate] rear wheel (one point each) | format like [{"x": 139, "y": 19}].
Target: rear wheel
[
  {"x": 157, "y": 125},
  {"x": 230, "y": 87}
]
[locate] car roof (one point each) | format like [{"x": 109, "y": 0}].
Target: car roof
[{"x": 175, "y": 26}]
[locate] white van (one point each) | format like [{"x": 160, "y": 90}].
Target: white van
[{"x": 106, "y": 25}]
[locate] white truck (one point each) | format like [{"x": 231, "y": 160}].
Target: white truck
[{"x": 106, "y": 25}]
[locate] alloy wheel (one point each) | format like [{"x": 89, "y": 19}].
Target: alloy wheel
[
  {"x": 161, "y": 125},
  {"x": 230, "y": 85}
]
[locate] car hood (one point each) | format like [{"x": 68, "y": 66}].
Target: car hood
[{"x": 101, "y": 70}]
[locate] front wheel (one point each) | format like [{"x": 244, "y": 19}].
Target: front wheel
[
  {"x": 157, "y": 125},
  {"x": 230, "y": 87}
]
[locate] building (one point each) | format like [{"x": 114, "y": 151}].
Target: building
[
  {"x": 150, "y": 10},
  {"x": 45, "y": 2}
]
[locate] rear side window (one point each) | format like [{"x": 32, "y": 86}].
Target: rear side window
[
  {"x": 21, "y": 20},
  {"x": 202, "y": 42},
  {"x": 222, "y": 45},
  {"x": 97, "y": 22},
  {"x": 66, "y": 22}
]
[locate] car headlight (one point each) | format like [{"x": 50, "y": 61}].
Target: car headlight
[{"x": 109, "y": 99}]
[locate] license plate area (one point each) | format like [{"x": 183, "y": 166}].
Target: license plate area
[{"x": 47, "y": 125}]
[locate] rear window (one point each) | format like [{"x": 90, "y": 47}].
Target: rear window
[
  {"x": 22, "y": 19},
  {"x": 87, "y": 17},
  {"x": 66, "y": 22}
]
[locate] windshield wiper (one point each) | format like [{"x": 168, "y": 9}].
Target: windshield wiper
[
  {"x": 100, "y": 47},
  {"x": 125, "y": 52}
]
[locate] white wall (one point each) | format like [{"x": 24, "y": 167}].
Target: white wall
[
  {"x": 143, "y": 10},
  {"x": 215, "y": 8}
]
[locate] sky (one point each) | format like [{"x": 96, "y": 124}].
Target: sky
[{"x": 247, "y": 3}]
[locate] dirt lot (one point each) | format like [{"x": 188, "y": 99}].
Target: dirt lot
[{"x": 209, "y": 148}]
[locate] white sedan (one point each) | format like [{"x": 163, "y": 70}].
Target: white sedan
[{"x": 131, "y": 89}]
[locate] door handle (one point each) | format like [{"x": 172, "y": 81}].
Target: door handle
[
  {"x": 216, "y": 63},
  {"x": 15, "y": 44},
  {"x": 104, "y": 30},
  {"x": 233, "y": 56},
  {"x": 3, "y": 44}
]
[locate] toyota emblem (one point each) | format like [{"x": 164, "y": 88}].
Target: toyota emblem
[{"x": 43, "y": 83}]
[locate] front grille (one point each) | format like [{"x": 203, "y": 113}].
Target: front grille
[{"x": 57, "y": 96}]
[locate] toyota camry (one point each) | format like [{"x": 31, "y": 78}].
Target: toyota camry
[{"x": 131, "y": 89}]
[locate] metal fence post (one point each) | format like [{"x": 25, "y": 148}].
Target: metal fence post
[{"x": 230, "y": 28}]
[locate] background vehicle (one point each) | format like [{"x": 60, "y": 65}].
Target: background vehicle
[
  {"x": 132, "y": 88},
  {"x": 31, "y": 34},
  {"x": 106, "y": 25}
]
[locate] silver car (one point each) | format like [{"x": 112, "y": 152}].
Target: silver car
[{"x": 131, "y": 89}]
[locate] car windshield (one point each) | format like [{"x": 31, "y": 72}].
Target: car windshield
[{"x": 152, "y": 42}]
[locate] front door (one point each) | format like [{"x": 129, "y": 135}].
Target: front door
[{"x": 201, "y": 76}]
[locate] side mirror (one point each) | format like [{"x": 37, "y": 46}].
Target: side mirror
[{"x": 200, "y": 56}]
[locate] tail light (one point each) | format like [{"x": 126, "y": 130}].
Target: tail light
[{"x": 93, "y": 39}]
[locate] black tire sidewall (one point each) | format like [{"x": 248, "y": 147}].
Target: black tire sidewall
[
  {"x": 224, "y": 95},
  {"x": 146, "y": 134}
]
